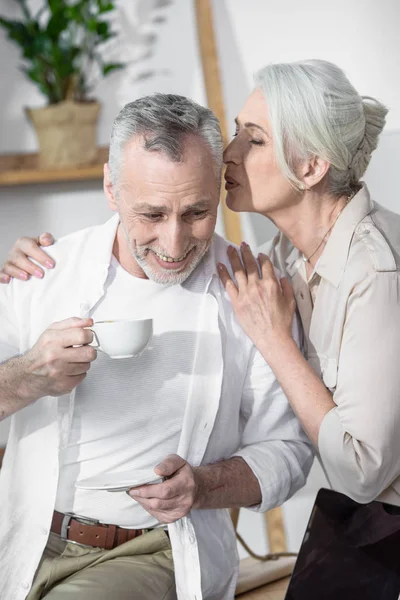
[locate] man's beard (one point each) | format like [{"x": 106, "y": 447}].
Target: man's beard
[{"x": 168, "y": 276}]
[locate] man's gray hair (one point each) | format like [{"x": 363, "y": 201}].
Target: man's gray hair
[
  {"x": 315, "y": 111},
  {"x": 164, "y": 121}
]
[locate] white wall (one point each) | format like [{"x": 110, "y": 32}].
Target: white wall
[{"x": 360, "y": 35}]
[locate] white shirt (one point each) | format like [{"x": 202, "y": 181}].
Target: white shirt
[
  {"x": 234, "y": 407},
  {"x": 353, "y": 343},
  {"x": 128, "y": 413}
]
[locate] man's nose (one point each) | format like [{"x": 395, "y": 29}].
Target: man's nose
[{"x": 175, "y": 239}]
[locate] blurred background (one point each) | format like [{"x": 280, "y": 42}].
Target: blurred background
[{"x": 158, "y": 42}]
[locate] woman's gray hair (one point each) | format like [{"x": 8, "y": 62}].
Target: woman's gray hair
[
  {"x": 315, "y": 111},
  {"x": 164, "y": 121}
]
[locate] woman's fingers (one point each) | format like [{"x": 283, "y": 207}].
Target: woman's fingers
[
  {"x": 288, "y": 295},
  {"x": 20, "y": 267},
  {"x": 4, "y": 278},
  {"x": 238, "y": 271},
  {"x": 250, "y": 263},
  {"x": 286, "y": 289},
  {"x": 227, "y": 282},
  {"x": 45, "y": 239},
  {"x": 11, "y": 270},
  {"x": 20, "y": 259},
  {"x": 30, "y": 248},
  {"x": 266, "y": 267}
]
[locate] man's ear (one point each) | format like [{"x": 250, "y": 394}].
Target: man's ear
[
  {"x": 109, "y": 189},
  {"x": 313, "y": 171}
]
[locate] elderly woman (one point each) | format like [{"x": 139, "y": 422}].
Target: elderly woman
[{"x": 303, "y": 140}]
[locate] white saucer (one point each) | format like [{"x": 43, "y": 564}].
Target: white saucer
[{"x": 119, "y": 481}]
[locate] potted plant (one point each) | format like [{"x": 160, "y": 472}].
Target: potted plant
[{"x": 62, "y": 45}]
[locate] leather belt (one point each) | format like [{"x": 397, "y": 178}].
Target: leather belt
[{"x": 81, "y": 530}]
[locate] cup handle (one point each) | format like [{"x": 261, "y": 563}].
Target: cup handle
[{"x": 95, "y": 339}]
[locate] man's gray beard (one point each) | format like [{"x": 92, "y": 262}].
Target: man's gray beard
[{"x": 167, "y": 277}]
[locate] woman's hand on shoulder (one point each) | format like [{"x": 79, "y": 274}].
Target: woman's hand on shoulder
[
  {"x": 264, "y": 305},
  {"x": 19, "y": 263}
]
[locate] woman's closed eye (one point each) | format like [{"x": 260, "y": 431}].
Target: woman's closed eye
[{"x": 255, "y": 141}]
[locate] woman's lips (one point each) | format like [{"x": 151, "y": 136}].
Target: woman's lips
[{"x": 230, "y": 182}]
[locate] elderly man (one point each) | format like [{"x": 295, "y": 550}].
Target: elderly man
[{"x": 200, "y": 407}]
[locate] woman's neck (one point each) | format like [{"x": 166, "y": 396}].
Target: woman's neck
[{"x": 309, "y": 223}]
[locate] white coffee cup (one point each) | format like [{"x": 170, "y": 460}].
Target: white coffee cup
[{"x": 122, "y": 338}]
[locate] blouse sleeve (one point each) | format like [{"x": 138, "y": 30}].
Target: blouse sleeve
[{"x": 359, "y": 440}]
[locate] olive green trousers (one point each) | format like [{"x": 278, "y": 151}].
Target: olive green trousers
[{"x": 141, "y": 569}]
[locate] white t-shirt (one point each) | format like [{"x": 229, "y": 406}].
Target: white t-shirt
[{"x": 128, "y": 415}]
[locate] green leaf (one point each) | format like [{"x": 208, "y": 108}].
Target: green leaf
[
  {"x": 102, "y": 28},
  {"x": 59, "y": 44},
  {"x": 17, "y": 32},
  {"x": 56, "y": 6},
  {"x": 57, "y": 24},
  {"x": 109, "y": 67},
  {"x": 105, "y": 7}
]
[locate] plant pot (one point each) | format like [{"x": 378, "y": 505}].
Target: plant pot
[{"x": 66, "y": 133}]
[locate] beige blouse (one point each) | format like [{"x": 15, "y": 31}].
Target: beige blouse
[{"x": 352, "y": 340}]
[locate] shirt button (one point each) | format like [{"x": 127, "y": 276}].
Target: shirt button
[
  {"x": 192, "y": 539},
  {"x": 302, "y": 295},
  {"x": 45, "y": 531},
  {"x": 25, "y": 585}
]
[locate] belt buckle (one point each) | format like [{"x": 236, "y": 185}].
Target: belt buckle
[{"x": 65, "y": 525}]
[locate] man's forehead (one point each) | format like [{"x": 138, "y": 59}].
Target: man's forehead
[
  {"x": 154, "y": 205},
  {"x": 195, "y": 155}
]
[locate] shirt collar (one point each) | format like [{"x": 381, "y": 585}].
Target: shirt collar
[
  {"x": 332, "y": 261},
  {"x": 103, "y": 241}
]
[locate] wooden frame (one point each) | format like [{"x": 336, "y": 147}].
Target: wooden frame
[{"x": 209, "y": 59}]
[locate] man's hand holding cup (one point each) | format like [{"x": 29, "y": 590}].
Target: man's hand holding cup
[{"x": 59, "y": 361}]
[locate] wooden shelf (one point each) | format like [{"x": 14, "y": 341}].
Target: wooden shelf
[{"x": 22, "y": 169}]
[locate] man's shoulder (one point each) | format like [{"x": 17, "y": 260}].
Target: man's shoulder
[
  {"x": 78, "y": 240},
  {"x": 272, "y": 249},
  {"x": 221, "y": 245}
]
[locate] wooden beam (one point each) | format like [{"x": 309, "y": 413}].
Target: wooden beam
[
  {"x": 2, "y": 452},
  {"x": 275, "y": 530},
  {"x": 212, "y": 81},
  {"x": 23, "y": 169}
]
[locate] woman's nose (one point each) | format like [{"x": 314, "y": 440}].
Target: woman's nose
[{"x": 231, "y": 153}]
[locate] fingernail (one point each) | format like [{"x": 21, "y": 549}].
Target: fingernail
[
  {"x": 220, "y": 266},
  {"x": 244, "y": 244},
  {"x": 49, "y": 264},
  {"x": 162, "y": 467},
  {"x": 23, "y": 276},
  {"x": 38, "y": 273},
  {"x": 4, "y": 278}
]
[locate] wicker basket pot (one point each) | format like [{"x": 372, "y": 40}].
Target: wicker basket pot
[{"x": 67, "y": 133}]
